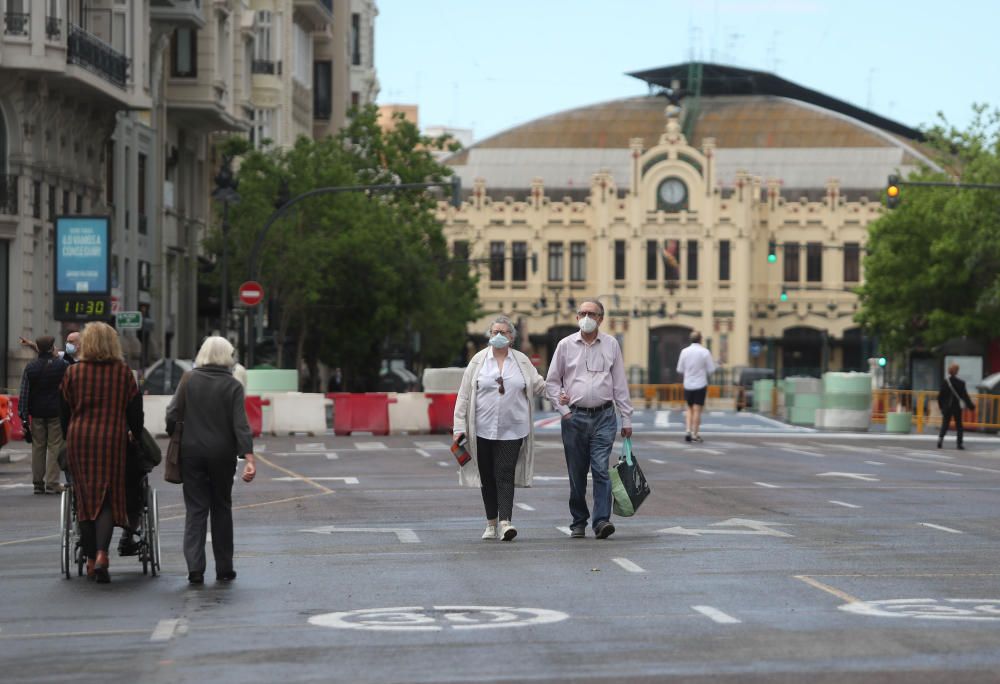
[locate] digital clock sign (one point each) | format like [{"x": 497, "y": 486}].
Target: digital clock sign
[{"x": 82, "y": 268}]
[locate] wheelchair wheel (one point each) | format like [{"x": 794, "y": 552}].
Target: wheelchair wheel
[
  {"x": 153, "y": 531},
  {"x": 65, "y": 532}
]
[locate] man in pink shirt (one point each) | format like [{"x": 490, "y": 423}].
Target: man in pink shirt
[{"x": 585, "y": 382}]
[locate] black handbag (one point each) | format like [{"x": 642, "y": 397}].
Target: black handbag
[{"x": 172, "y": 466}]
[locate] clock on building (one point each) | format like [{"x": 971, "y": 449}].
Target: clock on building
[{"x": 672, "y": 195}]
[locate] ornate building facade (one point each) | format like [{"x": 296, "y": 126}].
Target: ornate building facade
[{"x": 673, "y": 236}]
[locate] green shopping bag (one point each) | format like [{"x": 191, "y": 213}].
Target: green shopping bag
[{"x": 628, "y": 485}]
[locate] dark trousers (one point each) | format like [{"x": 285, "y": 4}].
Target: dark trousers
[
  {"x": 945, "y": 419},
  {"x": 208, "y": 489},
  {"x": 497, "y": 460}
]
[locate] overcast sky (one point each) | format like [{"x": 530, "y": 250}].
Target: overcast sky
[{"x": 490, "y": 65}]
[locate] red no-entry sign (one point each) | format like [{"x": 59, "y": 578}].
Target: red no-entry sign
[{"x": 251, "y": 293}]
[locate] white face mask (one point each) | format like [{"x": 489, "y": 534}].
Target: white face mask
[
  {"x": 587, "y": 324},
  {"x": 499, "y": 341}
]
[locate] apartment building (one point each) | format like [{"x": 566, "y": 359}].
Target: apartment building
[{"x": 115, "y": 108}]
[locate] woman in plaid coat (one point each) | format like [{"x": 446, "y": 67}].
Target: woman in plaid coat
[{"x": 100, "y": 402}]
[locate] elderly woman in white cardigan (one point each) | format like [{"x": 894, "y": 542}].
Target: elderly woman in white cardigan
[{"x": 494, "y": 411}]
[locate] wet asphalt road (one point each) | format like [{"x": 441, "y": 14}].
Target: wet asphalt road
[{"x": 785, "y": 557}]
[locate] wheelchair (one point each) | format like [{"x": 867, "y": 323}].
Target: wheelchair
[{"x": 149, "y": 533}]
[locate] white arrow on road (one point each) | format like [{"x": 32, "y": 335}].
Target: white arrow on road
[
  {"x": 856, "y": 476},
  {"x": 345, "y": 480},
  {"x": 404, "y": 534},
  {"x": 15, "y": 486},
  {"x": 756, "y": 527}
]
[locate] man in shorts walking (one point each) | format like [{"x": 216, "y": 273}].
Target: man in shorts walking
[{"x": 696, "y": 364}]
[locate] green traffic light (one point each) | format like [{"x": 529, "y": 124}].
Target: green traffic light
[
  {"x": 881, "y": 361},
  {"x": 771, "y": 258},
  {"x": 784, "y": 296}
]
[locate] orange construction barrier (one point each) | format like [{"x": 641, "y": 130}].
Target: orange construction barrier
[
  {"x": 367, "y": 412},
  {"x": 441, "y": 412}
]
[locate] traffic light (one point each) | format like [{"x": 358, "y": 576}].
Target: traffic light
[
  {"x": 881, "y": 362},
  {"x": 456, "y": 191},
  {"x": 784, "y": 295},
  {"x": 772, "y": 252},
  {"x": 892, "y": 192}
]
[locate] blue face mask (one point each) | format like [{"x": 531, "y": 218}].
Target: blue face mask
[
  {"x": 499, "y": 341},
  {"x": 70, "y": 348}
]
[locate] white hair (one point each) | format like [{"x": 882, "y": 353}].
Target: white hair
[
  {"x": 240, "y": 373},
  {"x": 506, "y": 322},
  {"x": 215, "y": 351}
]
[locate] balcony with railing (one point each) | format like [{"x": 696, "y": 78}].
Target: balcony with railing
[
  {"x": 53, "y": 28},
  {"x": 318, "y": 12},
  {"x": 265, "y": 66},
  {"x": 183, "y": 13},
  {"x": 16, "y": 23},
  {"x": 8, "y": 195},
  {"x": 93, "y": 54}
]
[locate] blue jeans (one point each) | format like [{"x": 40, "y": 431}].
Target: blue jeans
[{"x": 587, "y": 442}]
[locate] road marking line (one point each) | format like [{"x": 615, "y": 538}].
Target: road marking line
[
  {"x": 443, "y": 464},
  {"x": 431, "y": 445},
  {"x": 704, "y": 472},
  {"x": 844, "y": 503},
  {"x": 292, "y": 473},
  {"x": 524, "y": 506},
  {"x": 804, "y": 453},
  {"x": 423, "y": 453},
  {"x": 404, "y": 534},
  {"x": 369, "y": 446},
  {"x": 626, "y": 564},
  {"x": 662, "y": 419},
  {"x": 874, "y": 462},
  {"x": 833, "y": 591},
  {"x": 769, "y": 486},
  {"x": 345, "y": 480},
  {"x": 332, "y": 456},
  {"x": 716, "y": 615},
  {"x": 31, "y": 539},
  {"x": 864, "y": 477},
  {"x": 168, "y": 629},
  {"x": 656, "y": 460},
  {"x": 703, "y": 450},
  {"x": 942, "y": 528},
  {"x": 310, "y": 446},
  {"x": 564, "y": 530},
  {"x": 948, "y": 472}
]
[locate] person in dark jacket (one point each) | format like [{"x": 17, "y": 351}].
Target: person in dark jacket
[
  {"x": 950, "y": 398},
  {"x": 215, "y": 433},
  {"x": 39, "y": 410},
  {"x": 100, "y": 403}
]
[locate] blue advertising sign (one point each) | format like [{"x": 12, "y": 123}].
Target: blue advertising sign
[
  {"x": 83, "y": 255},
  {"x": 755, "y": 349}
]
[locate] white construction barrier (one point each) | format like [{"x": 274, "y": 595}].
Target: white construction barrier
[
  {"x": 409, "y": 414},
  {"x": 154, "y": 409},
  {"x": 443, "y": 379},
  {"x": 297, "y": 412}
]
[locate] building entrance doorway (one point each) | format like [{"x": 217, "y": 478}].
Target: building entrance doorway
[{"x": 665, "y": 345}]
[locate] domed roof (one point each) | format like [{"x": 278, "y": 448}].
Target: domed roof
[{"x": 776, "y": 130}]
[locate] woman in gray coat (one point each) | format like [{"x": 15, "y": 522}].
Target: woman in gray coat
[{"x": 215, "y": 433}]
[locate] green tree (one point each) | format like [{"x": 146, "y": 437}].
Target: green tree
[
  {"x": 933, "y": 266},
  {"x": 354, "y": 275}
]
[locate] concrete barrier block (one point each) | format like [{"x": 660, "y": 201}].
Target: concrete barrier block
[
  {"x": 297, "y": 412},
  {"x": 154, "y": 409},
  {"x": 409, "y": 414}
]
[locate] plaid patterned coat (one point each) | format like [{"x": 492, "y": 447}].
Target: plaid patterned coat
[{"x": 100, "y": 403}]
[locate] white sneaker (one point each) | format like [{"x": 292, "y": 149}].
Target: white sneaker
[
  {"x": 491, "y": 532},
  {"x": 507, "y": 531}
]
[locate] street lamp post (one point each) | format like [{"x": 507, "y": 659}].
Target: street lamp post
[{"x": 225, "y": 191}]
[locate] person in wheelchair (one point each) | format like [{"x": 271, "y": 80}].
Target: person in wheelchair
[{"x": 140, "y": 459}]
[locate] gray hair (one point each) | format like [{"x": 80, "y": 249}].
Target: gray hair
[
  {"x": 595, "y": 300},
  {"x": 507, "y": 322},
  {"x": 215, "y": 351}
]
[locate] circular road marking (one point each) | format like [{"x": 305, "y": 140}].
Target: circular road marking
[
  {"x": 928, "y": 608},
  {"x": 437, "y": 618}
]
